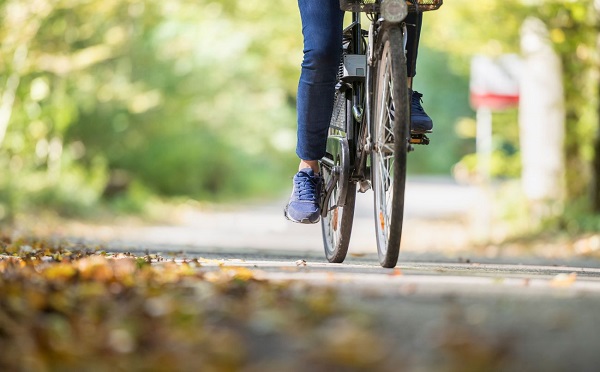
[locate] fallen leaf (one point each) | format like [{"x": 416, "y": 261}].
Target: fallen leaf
[
  {"x": 207, "y": 261},
  {"x": 396, "y": 272},
  {"x": 60, "y": 272},
  {"x": 241, "y": 273},
  {"x": 498, "y": 280},
  {"x": 288, "y": 268},
  {"x": 357, "y": 254},
  {"x": 563, "y": 280}
]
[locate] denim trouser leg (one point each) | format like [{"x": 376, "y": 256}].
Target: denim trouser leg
[
  {"x": 414, "y": 21},
  {"x": 322, "y": 22}
]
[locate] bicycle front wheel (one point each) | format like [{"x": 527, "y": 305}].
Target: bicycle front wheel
[{"x": 391, "y": 140}]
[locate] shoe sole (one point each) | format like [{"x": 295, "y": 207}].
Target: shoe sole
[
  {"x": 306, "y": 221},
  {"x": 420, "y": 129},
  {"x": 416, "y": 131}
]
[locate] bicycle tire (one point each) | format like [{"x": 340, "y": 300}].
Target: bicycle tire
[
  {"x": 391, "y": 141},
  {"x": 336, "y": 225}
]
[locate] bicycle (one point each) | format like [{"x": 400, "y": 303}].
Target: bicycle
[{"x": 369, "y": 136}]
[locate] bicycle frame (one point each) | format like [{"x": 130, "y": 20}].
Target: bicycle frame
[
  {"x": 370, "y": 131},
  {"x": 354, "y": 146},
  {"x": 343, "y": 145}
]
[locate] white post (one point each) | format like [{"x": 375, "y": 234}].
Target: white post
[
  {"x": 541, "y": 121},
  {"x": 483, "y": 144}
]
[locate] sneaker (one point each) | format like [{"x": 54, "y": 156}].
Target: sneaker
[
  {"x": 420, "y": 122},
  {"x": 303, "y": 206}
]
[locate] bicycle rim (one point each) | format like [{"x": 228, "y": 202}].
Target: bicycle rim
[
  {"x": 391, "y": 123},
  {"x": 337, "y": 225}
]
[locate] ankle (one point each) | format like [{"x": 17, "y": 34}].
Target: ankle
[{"x": 312, "y": 164}]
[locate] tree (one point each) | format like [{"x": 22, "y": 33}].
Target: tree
[
  {"x": 596, "y": 163},
  {"x": 573, "y": 31},
  {"x": 180, "y": 97}
]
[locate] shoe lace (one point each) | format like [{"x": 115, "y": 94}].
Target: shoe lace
[
  {"x": 416, "y": 103},
  {"x": 306, "y": 187}
]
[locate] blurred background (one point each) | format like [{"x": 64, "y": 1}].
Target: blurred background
[{"x": 127, "y": 107}]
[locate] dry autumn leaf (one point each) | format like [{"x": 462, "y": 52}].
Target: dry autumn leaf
[
  {"x": 357, "y": 254},
  {"x": 396, "y": 272},
  {"x": 563, "y": 280}
]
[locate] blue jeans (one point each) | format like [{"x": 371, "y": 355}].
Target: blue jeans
[{"x": 322, "y": 23}]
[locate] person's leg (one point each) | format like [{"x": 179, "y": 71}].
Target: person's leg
[
  {"x": 413, "y": 21},
  {"x": 322, "y": 23},
  {"x": 419, "y": 120}
]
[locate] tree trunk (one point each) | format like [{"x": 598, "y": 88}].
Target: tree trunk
[
  {"x": 596, "y": 168},
  {"x": 7, "y": 99},
  {"x": 595, "y": 187},
  {"x": 541, "y": 121}
]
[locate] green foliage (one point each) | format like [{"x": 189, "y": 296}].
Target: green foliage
[
  {"x": 74, "y": 191},
  {"x": 574, "y": 31},
  {"x": 218, "y": 169},
  {"x": 445, "y": 99},
  {"x": 197, "y": 98},
  {"x": 577, "y": 219},
  {"x": 464, "y": 28},
  {"x": 184, "y": 98}
]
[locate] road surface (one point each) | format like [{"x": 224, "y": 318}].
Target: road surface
[{"x": 445, "y": 306}]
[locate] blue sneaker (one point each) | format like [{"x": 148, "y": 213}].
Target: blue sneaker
[
  {"x": 303, "y": 206},
  {"x": 420, "y": 122}
]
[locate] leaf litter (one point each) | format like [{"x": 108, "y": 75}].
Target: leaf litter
[{"x": 66, "y": 307}]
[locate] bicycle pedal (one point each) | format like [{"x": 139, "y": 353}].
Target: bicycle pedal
[
  {"x": 419, "y": 139},
  {"x": 364, "y": 186}
]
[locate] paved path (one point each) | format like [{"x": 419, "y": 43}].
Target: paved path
[
  {"x": 444, "y": 307},
  {"x": 438, "y": 314},
  {"x": 437, "y": 218}
]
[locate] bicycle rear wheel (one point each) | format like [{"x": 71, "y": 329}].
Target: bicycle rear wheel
[
  {"x": 336, "y": 224},
  {"x": 391, "y": 140}
]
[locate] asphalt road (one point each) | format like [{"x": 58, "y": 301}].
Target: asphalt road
[
  {"x": 442, "y": 314},
  {"x": 444, "y": 301},
  {"x": 438, "y": 213}
]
